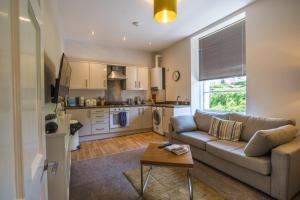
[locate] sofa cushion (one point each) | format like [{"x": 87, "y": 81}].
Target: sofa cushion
[
  {"x": 203, "y": 119},
  {"x": 195, "y": 138},
  {"x": 264, "y": 141},
  {"x": 252, "y": 124},
  {"x": 225, "y": 129},
  {"x": 183, "y": 123},
  {"x": 234, "y": 152}
]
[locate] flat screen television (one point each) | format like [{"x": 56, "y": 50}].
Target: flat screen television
[{"x": 62, "y": 83}]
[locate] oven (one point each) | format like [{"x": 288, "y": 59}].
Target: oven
[{"x": 114, "y": 114}]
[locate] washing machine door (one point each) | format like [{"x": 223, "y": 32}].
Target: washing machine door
[{"x": 156, "y": 117}]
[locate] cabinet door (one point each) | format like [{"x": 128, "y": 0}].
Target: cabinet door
[
  {"x": 98, "y": 76},
  {"x": 83, "y": 116},
  {"x": 134, "y": 118},
  {"x": 80, "y": 75},
  {"x": 131, "y": 81},
  {"x": 167, "y": 113},
  {"x": 146, "y": 117},
  {"x": 143, "y": 78}
]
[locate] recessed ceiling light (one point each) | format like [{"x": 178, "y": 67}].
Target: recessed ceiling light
[
  {"x": 124, "y": 38},
  {"x": 150, "y": 43},
  {"x": 137, "y": 23},
  {"x": 93, "y": 33}
]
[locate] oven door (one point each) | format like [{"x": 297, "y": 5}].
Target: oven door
[{"x": 115, "y": 119}]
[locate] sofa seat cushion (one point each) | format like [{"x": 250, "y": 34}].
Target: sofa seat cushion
[
  {"x": 195, "y": 138},
  {"x": 234, "y": 152}
]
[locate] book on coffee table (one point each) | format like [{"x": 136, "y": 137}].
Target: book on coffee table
[{"x": 178, "y": 149}]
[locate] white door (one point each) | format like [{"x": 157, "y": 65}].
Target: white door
[
  {"x": 143, "y": 78},
  {"x": 32, "y": 100},
  {"x": 7, "y": 166},
  {"x": 131, "y": 81},
  {"x": 98, "y": 76},
  {"x": 80, "y": 75}
]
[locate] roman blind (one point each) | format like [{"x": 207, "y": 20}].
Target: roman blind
[{"x": 222, "y": 54}]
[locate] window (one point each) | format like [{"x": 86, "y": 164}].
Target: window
[
  {"x": 222, "y": 69},
  {"x": 228, "y": 94}
]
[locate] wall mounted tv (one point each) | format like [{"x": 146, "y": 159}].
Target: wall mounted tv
[{"x": 62, "y": 83}]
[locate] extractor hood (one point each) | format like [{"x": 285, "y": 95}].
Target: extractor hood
[{"x": 116, "y": 73}]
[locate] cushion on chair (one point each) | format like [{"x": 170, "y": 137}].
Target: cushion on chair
[
  {"x": 252, "y": 124},
  {"x": 195, "y": 138},
  {"x": 234, "y": 152},
  {"x": 203, "y": 119},
  {"x": 183, "y": 123},
  {"x": 264, "y": 141}
]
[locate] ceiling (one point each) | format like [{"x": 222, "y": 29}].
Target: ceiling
[{"x": 111, "y": 21}]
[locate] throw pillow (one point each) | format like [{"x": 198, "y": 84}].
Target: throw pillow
[
  {"x": 203, "y": 119},
  {"x": 263, "y": 141},
  {"x": 225, "y": 129},
  {"x": 183, "y": 123}
]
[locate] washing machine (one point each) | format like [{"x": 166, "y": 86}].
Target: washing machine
[{"x": 157, "y": 120}]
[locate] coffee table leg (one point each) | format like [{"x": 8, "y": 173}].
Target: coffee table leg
[
  {"x": 190, "y": 184},
  {"x": 142, "y": 181}
]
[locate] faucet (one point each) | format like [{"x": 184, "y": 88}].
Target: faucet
[{"x": 177, "y": 102}]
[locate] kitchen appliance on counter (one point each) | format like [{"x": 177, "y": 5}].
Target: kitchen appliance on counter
[
  {"x": 90, "y": 102},
  {"x": 114, "y": 114}
]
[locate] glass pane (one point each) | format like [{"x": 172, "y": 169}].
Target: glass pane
[{"x": 225, "y": 94}]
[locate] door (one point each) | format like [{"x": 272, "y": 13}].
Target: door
[
  {"x": 167, "y": 113},
  {"x": 80, "y": 75},
  {"x": 83, "y": 116},
  {"x": 98, "y": 76},
  {"x": 143, "y": 78},
  {"x": 131, "y": 81},
  {"x": 147, "y": 117},
  {"x": 7, "y": 166},
  {"x": 31, "y": 101}
]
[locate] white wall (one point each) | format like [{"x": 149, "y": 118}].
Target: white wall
[
  {"x": 53, "y": 42},
  {"x": 84, "y": 50},
  {"x": 272, "y": 59}
]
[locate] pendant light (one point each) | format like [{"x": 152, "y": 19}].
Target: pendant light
[{"x": 165, "y": 11}]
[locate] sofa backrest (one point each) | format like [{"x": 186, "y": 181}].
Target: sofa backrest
[
  {"x": 251, "y": 124},
  {"x": 203, "y": 119}
]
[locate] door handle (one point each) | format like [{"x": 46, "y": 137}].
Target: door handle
[{"x": 47, "y": 165}]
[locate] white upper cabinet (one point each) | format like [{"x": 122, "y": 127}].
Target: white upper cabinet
[
  {"x": 87, "y": 75},
  {"x": 131, "y": 81},
  {"x": 80, "y": 75},
  {"x": 98, "y": 76},
  {"x": 137, "y": 78}
]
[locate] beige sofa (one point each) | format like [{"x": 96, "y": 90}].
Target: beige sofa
[{"x": 277, "y": 174}]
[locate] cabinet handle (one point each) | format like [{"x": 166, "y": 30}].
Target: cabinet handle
[
  {"x": 99, "y": 129},
  {"x": 99, "y": 121},
  {"x": 139, "y": 84},
  {"x": 135, "y": 84},
  {"x": 86, "y": 83},
  {"x": 163, "y": 111},
  {"x": 104, "y": 83}
]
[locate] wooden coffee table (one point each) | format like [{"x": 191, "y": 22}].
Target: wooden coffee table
[{"x": 153, "y": 156}]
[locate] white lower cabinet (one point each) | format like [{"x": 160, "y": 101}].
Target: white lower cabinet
[
  {"x": 83, "y": 116},
  {"x": 140, "y": 117}
]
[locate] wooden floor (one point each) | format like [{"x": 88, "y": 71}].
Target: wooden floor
[{"x": 97, "y": 148}]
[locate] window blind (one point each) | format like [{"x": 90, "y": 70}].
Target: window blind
[{"x": 222, "y": 54}]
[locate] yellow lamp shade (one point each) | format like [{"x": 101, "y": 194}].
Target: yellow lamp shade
[{"x": 165, "y": 11}]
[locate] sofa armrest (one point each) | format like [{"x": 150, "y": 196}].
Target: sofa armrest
[
  {"x": 183, "y": 123},
  {"x": 285, "y": 181}
]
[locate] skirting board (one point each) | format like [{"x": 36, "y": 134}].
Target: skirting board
[{"x": 111, "y": 135}]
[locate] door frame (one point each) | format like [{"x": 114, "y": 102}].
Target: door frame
[{"x": 37, "y": 6}]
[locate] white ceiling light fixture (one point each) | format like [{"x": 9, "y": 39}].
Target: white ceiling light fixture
[
  {"x": 124, "y": 38},
  {"x": 93, "y": 33}
]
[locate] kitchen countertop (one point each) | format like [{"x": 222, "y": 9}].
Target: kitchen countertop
[{"x": 126, "y": 105}]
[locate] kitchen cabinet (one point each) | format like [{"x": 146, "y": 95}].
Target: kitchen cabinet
[
  {"x": 137, "y": 78},
  {"x": 168, "y": 113},
  {"x": 88, "y": 75},
  {"x": 83, "y": 116},
  {"x": 98, "y": 76},
  {"x": 80, "y": 75},
  {"x": 140, "y": 117}
]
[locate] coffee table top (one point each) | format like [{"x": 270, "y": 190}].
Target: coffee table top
[{"x": 155, "y": 156}]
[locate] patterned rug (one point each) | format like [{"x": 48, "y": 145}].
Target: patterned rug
[{"x": 170, "y": 184}]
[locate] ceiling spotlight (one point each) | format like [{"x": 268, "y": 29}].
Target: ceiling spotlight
[
  {"x": 137, "y": 23},
  {"x": 150, "y": 43},
  {"x": 124, "y": 38},
  {"x": 93, "y": 33},
  {"x": 165, "y": 11}
]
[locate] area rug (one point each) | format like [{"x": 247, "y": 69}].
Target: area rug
[{"x": 170, "y": 184}]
